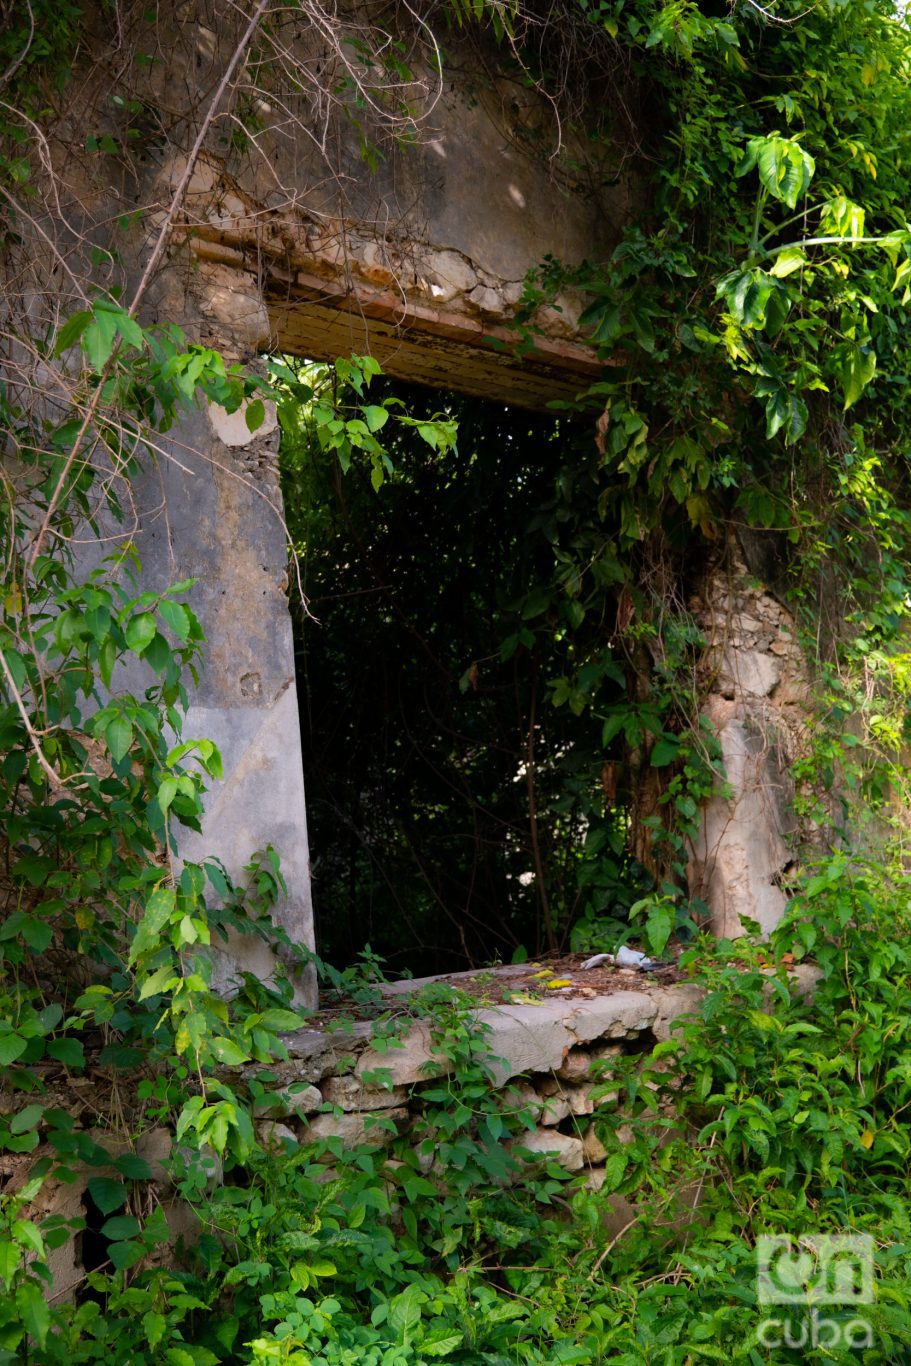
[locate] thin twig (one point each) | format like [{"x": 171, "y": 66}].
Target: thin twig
[
  {"x": 610, "y": 1247},
  {"x": 17, "y": 61},
  {"x": 160, "y": 244},
  {"x": 54, "y": 777},
  {"x": 177, "y": 198}
]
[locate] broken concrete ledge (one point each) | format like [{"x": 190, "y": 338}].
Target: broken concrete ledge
[{"x": 519, "y": 1038}]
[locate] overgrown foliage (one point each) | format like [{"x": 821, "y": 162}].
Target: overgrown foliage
[
  {"x": 447, "y": 1244},
  {"x": 454, "y": 814},
  {"x": 756, "y": 321}
]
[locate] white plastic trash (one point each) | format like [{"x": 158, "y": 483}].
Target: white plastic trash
[{"x": 623, "y": 958}]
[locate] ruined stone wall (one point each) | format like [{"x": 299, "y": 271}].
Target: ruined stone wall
[
  {"x": 757, "y": 700},
  {"x": 321, "y": 204},
  {"x": 548, "y": 1059},
  {"x": 312, "y": 226}
]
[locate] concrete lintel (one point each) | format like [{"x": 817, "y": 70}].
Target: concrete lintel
[{"x": 324, "y": 315}]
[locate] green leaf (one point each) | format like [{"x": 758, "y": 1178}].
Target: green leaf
[
  {"x": 124, "y": 1255},
  {"x": 179, "y": 1356},
  {"x": 118, "y": 736},
  {"x": 133, "y": 1167},
  {"x": 840, "y": 217},
  {"x": 35, "y": 1310},
  {"x": 227, "y": 1052},
  {"x": 785, "y": 169},
  {"x": 440, "y": 1342},
  {"x": 277, "y": 1020},
  {"x": 157, "y": 913},
  {"x": 856, "y": 372},
  {"x": 12, "y": 1046},
  {"x": 405, "y": 1312},
  {"x": 167, "y": 791},
  {"x": 22, "y": 1143},
  {"x": 665, "y": 751},
  {"x": 98, "y": 338},
  {"x": 614, "y": 1170},
  {"x": 658, "y": 927},
  {"x": 154, "y": 1325},
  {"x": 129, "y": 329},
  {"x": 37, "y": 934},
  {"x": 26, "y": 1119},
  {"x": 747, "y": 296},
  {"x": 375, "y": 416},
  {"x": 538, "y": 601},
  {"x": 161, "y": 980},
  {"x": 68, "y": 1051},
  {"x": 16, "y": 665},
  {"x": 217, "y": 879},
  {"x": 140, "y": 631},
  {"x": 107, "y": 1193},
  {"x": 9, "y": 1260},
  {"x": 785, "y": 413},
  {"x": 255, "y": 414},
  {"x": 787, "y": 261},
  {"x": 121, "y": 1226},
  {"x": 71, "y": 331},
  {"x": 177, "y": 617},
  {"x": 107, "y": 658},
  {"x": 158, "y": 653}
]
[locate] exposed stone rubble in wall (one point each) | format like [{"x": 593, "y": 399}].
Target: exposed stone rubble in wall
[
  {"x": 757, "y": 694},
  {"x": 223, "y": 224},
  {"x": 553, "y": 1066},
  {"x": 293, "y": 256},
  {"x": 336, "y": 1084},
  {"x": 549, "y": 1060}
]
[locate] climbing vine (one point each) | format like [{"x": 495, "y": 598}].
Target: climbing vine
[{"x": 755, "y": 321}]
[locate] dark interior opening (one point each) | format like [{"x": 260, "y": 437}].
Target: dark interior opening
[
  {"x": 92, "y": 1246},
  {"x": 458, "y": 808}
]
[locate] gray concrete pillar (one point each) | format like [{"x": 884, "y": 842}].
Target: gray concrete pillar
[{"x": 210, "y": 509}]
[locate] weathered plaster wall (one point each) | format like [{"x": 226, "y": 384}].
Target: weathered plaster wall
[
  {"x": 288, "y": 239},
  {"x": 415, "y": 249},
  {"x": 210, "y": 509},
  {"x": 430, "y": 312},
  {"x": 757, "y": 696}
]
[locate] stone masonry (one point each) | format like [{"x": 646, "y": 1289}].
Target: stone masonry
[{"x": 756, "y": 700}]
